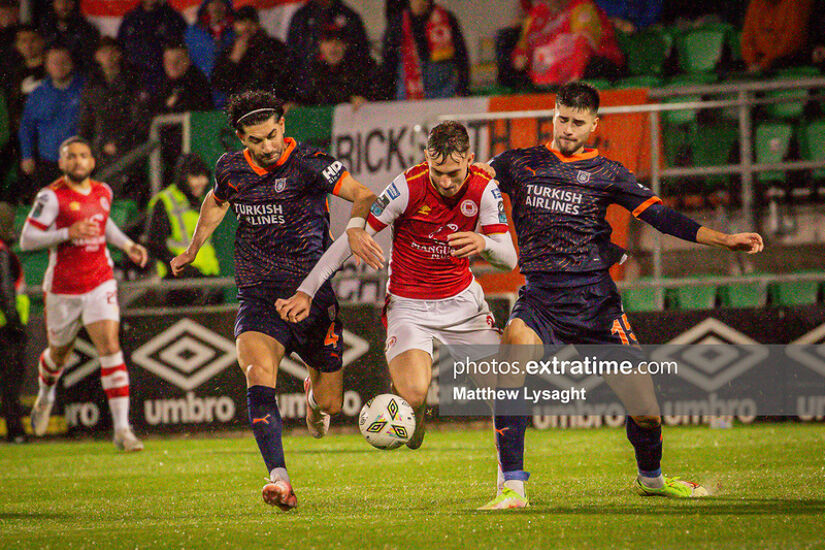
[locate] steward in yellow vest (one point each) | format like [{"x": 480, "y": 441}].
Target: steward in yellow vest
[
  {"x": 174, "y": 213},
  {"x": 14, "y": 314}
]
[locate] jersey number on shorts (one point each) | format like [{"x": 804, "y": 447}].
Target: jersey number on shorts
[
  {"x": 621, "y": 327},
  {"x": 331, "y": 338}
]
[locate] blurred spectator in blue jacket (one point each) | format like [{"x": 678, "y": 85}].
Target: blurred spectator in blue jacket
[
  {"x": 143, "y": 33},
  {"x": 210, "y": 34},
  {"x": 629, "y": 16},
  {"x": 49, "y": 116}
]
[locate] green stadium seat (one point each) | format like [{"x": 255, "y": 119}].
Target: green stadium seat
[
  {"x": 735, "y": 45},
  {"x": 681, "y": 117},
  {"x": 642, "y": 299},
  {"x": 742, "y": 295},
  {"x": 491, "y": 90},
  {"x": 796, "y": 293},
  {"x": 772, "y": 143},
  {"x": 645, "y": 53},
  {"x": 713, "y": 145},
  {"x": 790, "y": 110},
  {"x": 599, "y": 83},
  {"x": 802, "y": 71},
  {"x": 812, "y": 144},
  {"x": 639, "y": 82},
  {"x": 124, "y": 212},
  {"x": 34, "y": 266},
  {"x": 691, "y": 297},
  {"x": 700, "y": 50}
]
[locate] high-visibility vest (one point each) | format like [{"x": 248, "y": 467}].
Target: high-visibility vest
[
  {"x": 22, "y": 301},
  {"x": 182, "y": 220}
]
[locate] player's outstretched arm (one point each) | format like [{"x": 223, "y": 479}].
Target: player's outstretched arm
[
  {"x": 116, "y": 237},
  {"x": 361, "y": 243},
  {"x": 296, "y": 308},
  {"x": 741, "y": 242},
  {"x": 211, "y": 216}
]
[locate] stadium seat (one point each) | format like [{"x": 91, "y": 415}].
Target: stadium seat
[
  {"x": 34, "y": 266},
  {"x": 796, "y": 293},
  {"x": 599, "y": 83},
  {"x": 742, "y": 295},
  {"x": 691, "y": 297},
  {"x": 639, "y": 82},
  {"x": 682, "y": 117},
  {"x": 713, "y": 145},
  {"x": 772, "y": 143},
  {"x": 735, "y": 45},
  {"x": 645, "y": 53},
  {"x": 790, "y": 110},
  {"x": 124, "y": 212},
  {"x": 642, "y": 299},
  {"x": 812, "y": 144},
  {"x": 700, "y": 50}
]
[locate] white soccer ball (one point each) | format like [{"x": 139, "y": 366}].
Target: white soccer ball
[{"x": 387, "y": 421}]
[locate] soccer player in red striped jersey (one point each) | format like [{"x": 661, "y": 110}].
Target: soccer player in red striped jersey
[
  {"x": 70, "y": 217},
  {"x": 560, "y": 193},
  {"x": 442, "y": 212}
]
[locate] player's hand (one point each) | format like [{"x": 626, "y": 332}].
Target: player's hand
[
  {"x": 745, "y": 242},
  {"x": 294, "y": 309},
  {"x": 365, "y": 248},
  {"x": 138, "y": 254},
  {"x": 179, "y": 262},
  {"x": 486, "y": 168},
  {"x": 83, "y": 229},
  {"x": 466, "y": 244}
]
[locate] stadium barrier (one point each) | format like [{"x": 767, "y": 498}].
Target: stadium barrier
[{"x": 184, "y": 376}]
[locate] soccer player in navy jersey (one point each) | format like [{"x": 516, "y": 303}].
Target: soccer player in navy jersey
[
  {"x": 278, "y": 190},
  {"x": 560, "y": 193}
]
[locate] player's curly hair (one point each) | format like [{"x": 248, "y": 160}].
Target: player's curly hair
[
  {"x": 253, "y": 107},
  {"x": 578, "y": 95},
  {"x": 447, "y": 139}
]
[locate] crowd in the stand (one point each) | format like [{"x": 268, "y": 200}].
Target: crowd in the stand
[{"x": 61, "y": 78}]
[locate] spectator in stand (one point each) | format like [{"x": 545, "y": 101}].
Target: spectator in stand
[
  {"x": 111, "y": 118},
  {"x": 183, "y": 89},
  {"x": 143, "y": 32},
  {"x": 255, "y": 61},
  {"x": 28, "y": 73},
  {"x": 629, "y": 16},
  {"x": 566, "y": 40},
  {"x": 424, "y": 53},
  {"x": 210, "y": 34},
  {"x": 64, "y": 24},
  {"x": 775, "y": 34},
  {"x": 337, "y": 77},
  {"x": 174, "y": 214},
  {"x": 49, "y": 117},
  {"x": 311, "y": 20},
  {"x": 9, "y": 19}
]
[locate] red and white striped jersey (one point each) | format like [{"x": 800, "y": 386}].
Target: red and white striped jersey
[
  {"x": 81, "y": 265},
  {"x": 421, "y": 263}
]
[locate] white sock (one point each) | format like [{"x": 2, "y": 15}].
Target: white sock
[
  {"x": 46, "y": 392},
  {"x": 515, "y": 485},
  {"x": 653, "y": 482},
  {"x": 311, "y": 400},
  {"x": 279, "y": 473},
  {"x": 120, "y": 412}
]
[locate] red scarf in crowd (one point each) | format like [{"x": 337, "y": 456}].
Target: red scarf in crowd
[{"x": 439, "y": 45}]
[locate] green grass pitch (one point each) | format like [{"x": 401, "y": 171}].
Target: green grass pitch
[{"x": 205, "y": 493}]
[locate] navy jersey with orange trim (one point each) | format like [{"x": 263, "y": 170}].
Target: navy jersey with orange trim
[
  {"x": 282, "y": 211},
  {"x": 559, "y": 207}
]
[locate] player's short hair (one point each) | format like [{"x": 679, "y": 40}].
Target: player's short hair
[
  {"x": 189, "y": 164},
  {"x": 578, "y": 95},
  {"x": 253, "y": 107},
  {"x": 447, "y": 139},
  {"x": 108, "y": 42},
  {"x": 71, "y": 141}
]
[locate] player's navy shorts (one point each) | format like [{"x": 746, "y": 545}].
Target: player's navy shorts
[
  {"x": 318, "y": 339},
  {"x": 587, "y": 314}
]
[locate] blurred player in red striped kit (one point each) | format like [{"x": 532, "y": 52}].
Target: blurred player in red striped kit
[{"x": 70, "y": 217}]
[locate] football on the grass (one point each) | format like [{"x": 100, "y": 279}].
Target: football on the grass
[{"x": 387, "y": 421}]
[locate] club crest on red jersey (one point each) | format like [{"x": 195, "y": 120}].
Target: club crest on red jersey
[{"x": 469, "y": 208}]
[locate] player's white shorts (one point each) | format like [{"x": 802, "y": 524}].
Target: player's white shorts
[
  {"x": 66, "y": 313},
  {"x": 463, "y": 320}
]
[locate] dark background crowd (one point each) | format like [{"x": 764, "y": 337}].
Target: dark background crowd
[{"x": 60, "y": 77}]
